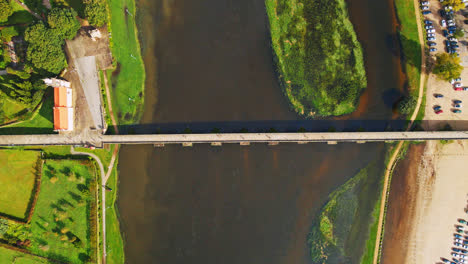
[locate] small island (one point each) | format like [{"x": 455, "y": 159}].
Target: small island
[{"x": 319, "y": 59}]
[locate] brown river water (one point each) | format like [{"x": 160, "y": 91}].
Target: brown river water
[{"x": 209, "y": 64}]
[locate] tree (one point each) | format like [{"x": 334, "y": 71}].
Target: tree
[
  {"x": 5, "y": 10},
  {"x": 455, "y": 4},
  {"x": 96, "y": 12},
  {"x": 459, "y": 33},
  {"x": 7, "y": 33},
  {"x": 45, "y": 48},
  {"x": 64, "y": 22},
  {"x": 407, "y": 104},
  {"x": 447, "y": 66}
]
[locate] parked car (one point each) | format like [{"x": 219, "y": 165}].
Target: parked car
[
  {"x": 432, "y": 50},
  {"x": 457, "y": 244},
  {"x": 456, "y": 111},
  {"x": 451, "y": 31},
  {"x": 445, "y": 32},
  {"x": 427, "y": 12},
  {"x": 455, "y": 255},
  {"x": 430, "y": 30},
  {"x": 427, "y": 22},
  {"x": 457, "y": 105},
  {"x": 428, "y": 26},
  {"x": 443, "y": 23},
  {"x": 430, "y": 35},
  {"x": 465, "y": 88},
  {"x": 457, "y": 84},
  {"x": 458, "y": 79},
  {"x": 452, "y": 28},
  {"x": 453, "y": 39},
  {"x": 425, "y": 3},
  {"x": 457, "y": 101},
  {"x": 424, "y": 8},
  {"x": 458, "y": 89},
  {"x": 439, "y": 111},
  {"x": 456, "y": 250},
  {"x": 451, "y": 24},
  {"x": 437, "y": 107},
  {"x": 440, "y": 96}
]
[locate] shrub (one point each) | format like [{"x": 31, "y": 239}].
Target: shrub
[{"x": 8, "y": 33}]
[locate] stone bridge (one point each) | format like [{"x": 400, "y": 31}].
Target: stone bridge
[{"x": 233, "y": 138}]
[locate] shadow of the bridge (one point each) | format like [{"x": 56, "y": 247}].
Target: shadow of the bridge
[{"x": 262, "y": 126}]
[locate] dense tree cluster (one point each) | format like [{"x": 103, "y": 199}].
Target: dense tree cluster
[
  {"x": 96, "y": 12},
  {"x": 407, "y": 104},
  {"x": 447, "y": 66},
  {"x": 63, "y": 21},
  {"x": 5, "y": 10},
  {"x": 455, "y": 4}
]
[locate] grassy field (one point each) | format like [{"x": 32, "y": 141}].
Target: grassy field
[
  {"x": 41, "y": 122},
  {"x": 61, "y": 227},
  {"x": 115, "y": 244},
  {"x": 408, "y": 32},
  {"x": 15, "y": 257},
  {"x": 347, "y": 220},
  {"x": 318, "y": 56},
  {"x": 128, "y": 78},
  {"x": 10, "y": 110},
  {"x": 17, "y": 180}
]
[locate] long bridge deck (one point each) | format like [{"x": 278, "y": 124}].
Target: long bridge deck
[{"x": 239, "y": 138}]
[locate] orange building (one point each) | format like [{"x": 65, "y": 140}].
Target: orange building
[{"x": 63, "y": 109}]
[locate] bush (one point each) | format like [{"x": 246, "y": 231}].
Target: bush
[
  {"x": 96, "y": 11},
  {"x": 5, "y": 10},
  {"x": 8, "y": 33}
]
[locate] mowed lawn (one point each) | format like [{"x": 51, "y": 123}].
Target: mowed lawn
[
  {"x": 15, "y": 257},
  {"x": 61, "y": 224},
  {"x": 17, "y": 178}
]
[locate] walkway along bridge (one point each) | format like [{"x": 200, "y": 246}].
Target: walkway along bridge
[{"x": 98, "y": 140}]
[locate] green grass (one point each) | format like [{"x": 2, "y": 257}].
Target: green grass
[
  {"x": 10, "y": 109},
  {"x": 408, "y": 32},
  {"x": 128, "y": 78},
  {"x": 41, "y": 122},
  {"x": 318, "y": 56},
  {"x": 64, "y": 203},
  {"x": 115, "y": 244},
  {"x": 17, "y": 179},
  {"x": 9, "y": 256},
  {"x": 368, "y": 256}
]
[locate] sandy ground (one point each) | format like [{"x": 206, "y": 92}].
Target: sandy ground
[
  {"x": 438, "y": 199},
  {"x": 436, "y": 121}
]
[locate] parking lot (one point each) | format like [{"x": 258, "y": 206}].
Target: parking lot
[{"x": 434, "y": 86}]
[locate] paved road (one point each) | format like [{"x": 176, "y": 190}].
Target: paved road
[
  {"x": 97, "y": 139},
  {"x": 103, "y": 206}
]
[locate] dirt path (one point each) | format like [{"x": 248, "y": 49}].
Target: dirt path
[
  {"x": 109, "y": 103},
  {"x": 388, "y": 170}
]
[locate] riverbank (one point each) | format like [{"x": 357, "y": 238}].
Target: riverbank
[
  {"x": 422, "y": 220},
  {"x": 411, "y": 52},
  {"x": 321, "y": 69},
  {"x": 346, "y": 227}
]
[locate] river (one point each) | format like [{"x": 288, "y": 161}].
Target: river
[{"x": 209, "y": 65}]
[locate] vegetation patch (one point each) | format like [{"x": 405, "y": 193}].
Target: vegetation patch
[
  {"x": 128, "y": 78},
  {"x": 319, "y": 58},
  {"x": 63, "y": 226},
  {"x": 17, "y": 180},
  {"x": 9, "y": 255},
  {"x": 347, "y": 220},
  {"x": 411, "y": 51}
]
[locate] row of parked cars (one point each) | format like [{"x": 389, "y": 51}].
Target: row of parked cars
[
  {"x": 460, "y": 244},
  {"x": 428, "y": 25},
  {"x": 448, "y": 22},
  {"x": 456, "y": 104}
]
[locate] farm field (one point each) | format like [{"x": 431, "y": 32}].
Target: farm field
[
  {"x": 16, "y": 257},
  {"x": 17, "y": 178}
]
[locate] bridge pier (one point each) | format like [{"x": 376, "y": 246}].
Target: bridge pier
[
  {"x": 332, "y": 142},
  {"x": 244, "y": 143},
  {"x": 158, "y": 145},
  {"x": 187, "y": 144},
  {"x": 216, "y": 144},
  {"x": 360, "y": 141},
  {"x": 273, "y": 143}
]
